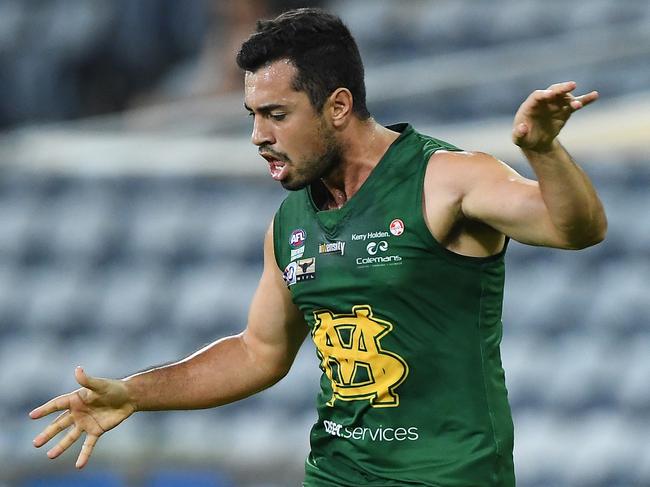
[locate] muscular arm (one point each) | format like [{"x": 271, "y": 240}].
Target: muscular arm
[
  {"x": 234, "y": 367},
  {"x": 561, "y": 209},
  {"x": 573, "y": 207},
  {"x": 223, "y": 372}
]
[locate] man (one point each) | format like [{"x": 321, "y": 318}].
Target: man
[{"x": 389, "y": 251}]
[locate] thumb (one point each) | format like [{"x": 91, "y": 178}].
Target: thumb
[
  {"x": 520, "y": 131},
  {"x": 92, "y": 383}
]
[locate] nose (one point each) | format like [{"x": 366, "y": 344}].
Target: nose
[{"x": 262, "y": 133}]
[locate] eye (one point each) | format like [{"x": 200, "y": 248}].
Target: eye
[{"x": 278, "y": 116}]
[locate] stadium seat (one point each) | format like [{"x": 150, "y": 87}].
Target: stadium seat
[
  {"x": 121, "y": 273},
  {"x": 187, "y": 478},
  {"x": 77, "y": 479},
  {"x": 575, "y": 329}
]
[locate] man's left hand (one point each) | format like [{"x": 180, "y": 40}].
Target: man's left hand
[{"x": 541, "y": 117}]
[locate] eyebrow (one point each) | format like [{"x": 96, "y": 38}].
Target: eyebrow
[{"x": 269, "y": 107}]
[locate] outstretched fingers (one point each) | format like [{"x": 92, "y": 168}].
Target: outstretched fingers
[
  {"x": 89, "y": 382},
  {"x": 558, "y": 98},
  {"x": 59, "y": 403},
  {"x": 77, "y": 417},
  {"x": 72, "y": 436},
  {"x": 544, "y": 113},
  {"x": 563, "y": 87},
  {"x": 86, "y": 450},
  {"x": 583, "y": 100},
  {"x": 563, "y": 91},
  {"x": 64, "y": 421},
  {"x": 556, "y": 91}
]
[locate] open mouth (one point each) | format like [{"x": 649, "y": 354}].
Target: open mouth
[{"x": 277, "y": 168}]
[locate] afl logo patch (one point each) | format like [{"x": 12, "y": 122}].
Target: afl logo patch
[
  {"x": 297, "y": 238},
  {"x": 397, "y": 227},
  {"x": 289, "y": 274}
]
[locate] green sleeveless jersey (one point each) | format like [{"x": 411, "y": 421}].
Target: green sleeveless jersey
[{"x": 407, "y": 334}]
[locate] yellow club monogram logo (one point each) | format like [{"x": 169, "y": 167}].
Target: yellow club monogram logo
[{"x": 353, "y": 359}]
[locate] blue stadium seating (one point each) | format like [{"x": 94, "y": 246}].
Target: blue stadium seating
[
  {"x": 78, "y": 479},
  {"x": 187, "y": 478},
  {"x": 121, "y": 273},
  {"x": 125, "y": 273}
]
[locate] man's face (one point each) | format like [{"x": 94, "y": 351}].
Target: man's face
[{"x": 298, "y": 143}]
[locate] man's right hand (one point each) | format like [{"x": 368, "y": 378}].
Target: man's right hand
[{"x": 95, "y": 408}]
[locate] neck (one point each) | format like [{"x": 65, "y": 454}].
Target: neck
[{"x": 363, "y": 145}]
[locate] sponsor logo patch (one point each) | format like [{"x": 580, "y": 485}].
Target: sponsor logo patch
[
  {"x": 397, "y": 227},
  {"x": 289, "y": 274},
  {"x": 297, "y": 238},
  {"x": 297, "y": 253},
  {"x": 332, "y": 248},
  {"x": 305, "y": 269},
  {"x": 369, "y": 235},
  {"x": 378, "y": 252},
  {"x": 373, "y": 247},
  {"x": 361, "y": 433},
  {"x": 379, "y": 261}
]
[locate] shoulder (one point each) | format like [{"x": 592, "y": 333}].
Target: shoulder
[
  {"x": 462, "y": 170},
  {"x": 462, "y": 160}
]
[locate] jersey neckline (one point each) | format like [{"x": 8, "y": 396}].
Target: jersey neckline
[{"x": 331, "y": 220}]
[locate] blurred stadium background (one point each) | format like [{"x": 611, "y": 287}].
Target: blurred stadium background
[{"x": 132, "y": 211}]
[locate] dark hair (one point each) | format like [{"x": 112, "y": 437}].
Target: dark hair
[{"x": 321, "y": 48}]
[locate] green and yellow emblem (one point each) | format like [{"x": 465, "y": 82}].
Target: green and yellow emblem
[{"x": 352, "y": 357}]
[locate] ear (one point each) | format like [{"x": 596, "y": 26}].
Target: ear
[{"x": 340, "y": 107}]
